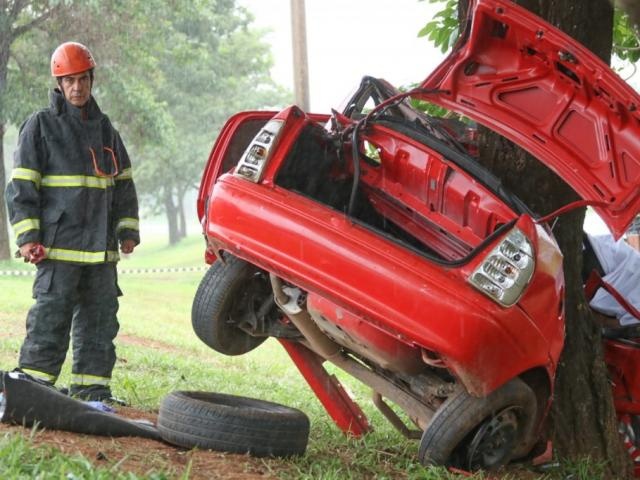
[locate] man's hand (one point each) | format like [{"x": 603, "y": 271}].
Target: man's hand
[
  {"x": 127, "y": 246},
  {"x": 33, "y": 252}
]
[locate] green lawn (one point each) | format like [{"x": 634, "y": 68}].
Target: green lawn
[{"x": 159, "y": 353}]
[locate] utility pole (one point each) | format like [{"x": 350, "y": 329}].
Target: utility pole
[{"x": 300, "y": 65}]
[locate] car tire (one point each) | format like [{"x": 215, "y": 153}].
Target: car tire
[
  {"x": 471, "y": 433},
  {"x": 226, "y": 301},
  {"x": 230, "y": 423}
]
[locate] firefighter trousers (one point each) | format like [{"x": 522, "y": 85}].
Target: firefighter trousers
[{"x": 74, "y": 300}]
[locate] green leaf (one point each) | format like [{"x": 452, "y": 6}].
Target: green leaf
[{"x": 443, "y": 29}]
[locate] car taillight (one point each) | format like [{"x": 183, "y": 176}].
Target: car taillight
[
  {"x": 506, "y": 271},
  {"x": 255, "y": 157}
]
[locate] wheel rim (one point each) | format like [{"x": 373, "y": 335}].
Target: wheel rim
[
  {"x": 494, "y": 441},
  {"x": 252, "y": 306}
]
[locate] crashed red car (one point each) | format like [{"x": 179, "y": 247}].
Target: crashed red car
[{"x": 372, "y": 239}]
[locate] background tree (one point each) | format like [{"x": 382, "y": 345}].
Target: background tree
[
  {"x": 169, "y": 74},
  {"x": 214, "y": 66},
  {"x": 583, "y": 422}
]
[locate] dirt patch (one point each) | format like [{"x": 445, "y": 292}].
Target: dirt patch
[
  {"x": 143, "y": 456},
  {"x": 128, "y": 339}
]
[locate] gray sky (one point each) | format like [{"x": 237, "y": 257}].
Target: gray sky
[{"x": 347, "y": 39}]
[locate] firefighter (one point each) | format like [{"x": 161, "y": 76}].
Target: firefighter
[{"x": 71, "y": 202}]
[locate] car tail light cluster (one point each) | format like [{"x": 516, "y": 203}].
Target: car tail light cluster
[
  {"x": 506, "y": 271},
  {"x": 255, "y": 157}
]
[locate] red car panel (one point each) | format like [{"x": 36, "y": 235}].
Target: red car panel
[
  {"x": 322, "y": 251},
  {"x": 237, "y": 132},
  {"x": 452, "y": 201},
  {"x": 540, "y": 88},
  {"x": 372, "y": 238}
]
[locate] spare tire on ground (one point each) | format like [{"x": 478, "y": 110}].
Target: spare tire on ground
[{"x": 231, "y": 423}]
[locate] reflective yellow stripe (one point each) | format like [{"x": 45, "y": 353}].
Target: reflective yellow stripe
[
  {"x": 83, "y": 379},
  {"x": 40, "y": 375},
  {"x": 26, "y": 174},
  {"x": 81, "y": 256},
  {"x": 112, "y": 256},
  {"x": 76, "y": 181},
  {"x": 25, "y": 225},
  {"x": 127, "y": 222},
  {"x": 126, "y": 174}
]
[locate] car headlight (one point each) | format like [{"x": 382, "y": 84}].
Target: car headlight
[
  {"x": 507, "y": 270},
  {"x": 256, "y": 156}
]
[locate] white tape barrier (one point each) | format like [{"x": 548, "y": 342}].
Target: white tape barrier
[{"x": 124, "y": 271}]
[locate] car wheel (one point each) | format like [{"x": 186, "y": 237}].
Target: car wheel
[
  {"x": 480, "y": 433},
  {"x": 230, "y": 423},
  {"x": 233, "y": 300}
]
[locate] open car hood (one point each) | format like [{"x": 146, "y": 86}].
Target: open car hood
[{"x": 524, "y": 79}]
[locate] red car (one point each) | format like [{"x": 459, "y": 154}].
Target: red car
[{"x": 372, "y": 239}]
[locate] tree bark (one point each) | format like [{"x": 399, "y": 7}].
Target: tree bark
[
  {"x": 5, "y": 249},
  {"x": 182, "y": 220},
  {"x": 171, "y": 212},
  {"x": 4, "y": 62},
  {"x": 582, "y": 421}
]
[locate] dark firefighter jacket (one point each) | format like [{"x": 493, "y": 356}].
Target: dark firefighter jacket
[{"x": 71, "y": 187}]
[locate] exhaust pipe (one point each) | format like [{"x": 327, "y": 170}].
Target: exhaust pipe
[{"x": 287, "y": 300}]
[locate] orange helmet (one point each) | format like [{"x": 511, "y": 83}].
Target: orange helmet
[{"x": 71, "y": 58}]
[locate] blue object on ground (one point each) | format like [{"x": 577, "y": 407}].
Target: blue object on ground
[{"x": 103, "y": 407}]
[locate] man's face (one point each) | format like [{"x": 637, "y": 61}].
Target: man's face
[{"x": 77, "y": 88}]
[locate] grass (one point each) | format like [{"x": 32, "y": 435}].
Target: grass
[
  {"x": 20, "y": 459},
  {"x": 159, "y": 353},
  {"x": 156, "y": 253}
]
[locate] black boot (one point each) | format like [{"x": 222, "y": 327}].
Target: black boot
[{"x": 96, "y": 393}]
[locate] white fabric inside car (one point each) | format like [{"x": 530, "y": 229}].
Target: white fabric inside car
[{"x": 621, "y": 265}]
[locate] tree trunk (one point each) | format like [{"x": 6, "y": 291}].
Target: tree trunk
[
  {"x": 4, "y": 62},
  {"x": 182, "y": 226},
  {"x": 171, "y": 212},
  {"x": 582, "y": 421},
  {"x": 5, "y": 250}
]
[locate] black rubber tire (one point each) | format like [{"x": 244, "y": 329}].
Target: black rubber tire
[
  {"x": 459, "y": 418},
  {"x": 230, "y": 423},
  {"x": 227, "y": 291}
]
